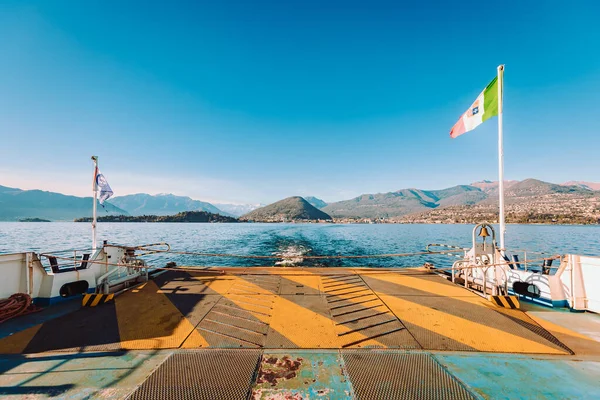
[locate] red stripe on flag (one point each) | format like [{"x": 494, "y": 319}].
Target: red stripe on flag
[{"x": 458, "y": 128}]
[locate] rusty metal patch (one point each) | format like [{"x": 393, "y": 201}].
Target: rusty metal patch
[
  {"x": 275, "y": 369},
  {"x": 301, "y": 375}
]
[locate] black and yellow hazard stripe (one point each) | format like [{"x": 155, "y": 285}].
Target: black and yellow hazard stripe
[
  {"x": 92, "y": 300},
  {"x": 506, "y": 301}
]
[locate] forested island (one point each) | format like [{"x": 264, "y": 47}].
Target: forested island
[
  {"x": 186, "y": 216},
  {"x": 33, "y": 220}
]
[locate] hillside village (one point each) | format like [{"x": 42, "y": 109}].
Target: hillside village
[{"x": 527, "y": 201}]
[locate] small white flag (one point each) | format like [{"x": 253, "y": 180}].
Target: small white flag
[{"x": 103, "y": 187}]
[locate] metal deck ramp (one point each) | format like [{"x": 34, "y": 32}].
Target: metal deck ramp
[
  {"x": 289, "y": 308},
  {"x": 309, "y": 333}
]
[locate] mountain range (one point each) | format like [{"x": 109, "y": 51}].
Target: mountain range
[
  {"x": 403, "y": 202},
  {"x": 585, "y": 185},
  {"x": 160, "y": 204},
  {"x": 315, "y": 202},
  {"x": 237, "y": 210},
  {"x": 570, "y": 198},
  {"x": 528, "y": 201},
  {"x": 538, "y": 195},
  {"x": 16, "y": 204}
]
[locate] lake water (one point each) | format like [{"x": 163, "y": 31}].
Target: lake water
[{"x": 291, "y": 239}]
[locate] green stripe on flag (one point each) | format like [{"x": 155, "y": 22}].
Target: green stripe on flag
[{"x": 490, "y": 100}]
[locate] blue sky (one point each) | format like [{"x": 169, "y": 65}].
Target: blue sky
[{"x": 239, "y": 101}]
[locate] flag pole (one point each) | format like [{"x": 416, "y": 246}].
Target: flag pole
[
  {"x": 501, "y": 156},
  {"x": 94, "y": 189}
]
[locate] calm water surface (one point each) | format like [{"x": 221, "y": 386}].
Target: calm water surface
[{"x": 291, "y": 239}]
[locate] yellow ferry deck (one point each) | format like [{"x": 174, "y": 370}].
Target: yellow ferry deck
[{"x": 300, "y": 333}]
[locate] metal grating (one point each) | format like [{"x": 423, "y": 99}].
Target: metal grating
[
  {"x": 204, "y": 374},
  {"x": 395, "y": 375}
]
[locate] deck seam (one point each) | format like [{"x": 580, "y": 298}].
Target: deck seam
[
  {"x": 348, "y": 298},
  {"x": 230, "y": 336},
  {"x": 353, "y": 304},
  {"x": 368, "y": 327},
  {"x": 372, "y": 337},
  {"x": 555, "y": 341},
  {"x": 196, "y": 326},
  {"x": 393, "y": 313},
  {"x": 150, "y": 374},
  {"x": 465, "y": 386},
  {"x": 361, "y": 318}
]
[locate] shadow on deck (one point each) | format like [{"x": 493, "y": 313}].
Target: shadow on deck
[{"x": 292, "y": 308}]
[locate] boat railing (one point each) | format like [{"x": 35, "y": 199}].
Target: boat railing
[
  {"x": 469, "y": 277},
  {"x": 75, "y": 259},
  {"x": 146, "y": 249},
  {"x": 525, "y": 263},
  {"x": 66, "y": 260},
  {"x": 517, "y": 262},
  {"x": 453, "y": 250}
]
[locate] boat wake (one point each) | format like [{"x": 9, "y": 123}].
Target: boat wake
[{"x": 293, "y": 255}]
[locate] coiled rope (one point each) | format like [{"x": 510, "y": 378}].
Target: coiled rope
[{"x": 15, "y": 305}]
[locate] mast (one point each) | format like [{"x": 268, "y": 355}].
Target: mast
[
  {"x": 501, "y": 156},
  {"x": 95, "y": 199}
]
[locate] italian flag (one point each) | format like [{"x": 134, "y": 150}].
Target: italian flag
[{"x": 484, "y": 107}]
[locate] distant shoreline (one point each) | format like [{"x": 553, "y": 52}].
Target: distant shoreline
[
  {"x": 88, "y": 220},
  {"x": 186, "y": 216},
  {"x": 34, "y": 220}
]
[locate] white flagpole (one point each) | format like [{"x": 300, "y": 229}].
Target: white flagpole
[
  {"x": 501, "y": 155},
  {"x": 94, "y": 189}
]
